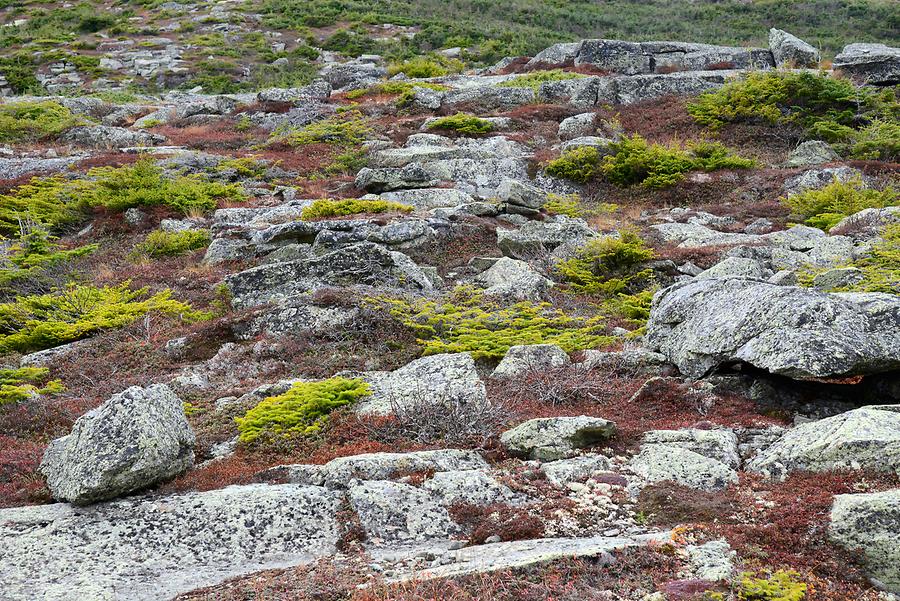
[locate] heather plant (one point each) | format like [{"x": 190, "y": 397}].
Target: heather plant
[
  {"x": 825, "y": 207},
  {"x": 20, "y": 384},
  {"x": 324, "y": 207},
  {"x": 301, "y": 411},
  {"x": 463, "y": 124}
]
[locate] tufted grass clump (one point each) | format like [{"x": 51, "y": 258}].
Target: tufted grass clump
[
  {"x": 324, "y": 208},
  {"x": 783, "y": 585},
  {"x": 159, "y": 243},
  {"x": 41, "y": 321},
  {"x": 633, "y": 160},
  {"x": 825, "y": 207},
  {"x": 30, "y": 258},
  {"x": 467, "y": 321},
  {"x": 344, "y": 129},
  {"x": 301, "y": 411},
  {"x": 609, "y": 266},
  {"x": 462, "y": 123},
  {"x": 536, "y": 79},
  {"x": 579, "y": 165},
  {"x": 28, "y": 121},
  {"x": 22, "y": 383}
]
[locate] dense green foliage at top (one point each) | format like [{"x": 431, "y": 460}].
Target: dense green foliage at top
[
  {"x": 824, "y": 207},
  {"x": 608, "y": 265},
  {"x": 19, "y": 384}
]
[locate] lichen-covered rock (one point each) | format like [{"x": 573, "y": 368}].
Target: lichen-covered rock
[
  {"x": 865, "y": 438},
  {"x": 616, "y": 56},
  {"x": 137, "y": 438},
  {"x": 870, "y": 524},
  {"x": 577, "y": 126},
  {"x": 870, "y": 63},
  {"x": 563, "y": 471},
  {"x": 474, "y": 487},
  {"x": 790, "y": 51},
  {"x": 665, "y": 462},
  {"x": 392, "y": 512},
  {"x": 148, "y": 549},
  {"x": 812, "y": 152},
  {"x": 412, "y": 175},
  {"x": 867, "y": 223},
  {"x": 103, "y": 136},
  {"x": 796, "y": 332},
  {"x": 552, "y": 438},
  {"x": 536, "y": 237},
  {"x": 522, "y": 359},
  {"x": 513, "y": 279},
  {"x": 721, "y": 445},
  {"x": 521, "y": 196},
  {"x": 712, "y": 561},
  {"x": 487, "y": 98},
  {"x": 638, "y": 88},
  {"x": 639, "y": 361},
  {"x": 337, "y": 473},
  {"x": 841, "y": 277},
  {"x": 736, "y": 267}
]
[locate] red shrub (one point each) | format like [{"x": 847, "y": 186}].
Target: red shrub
[{"x": 20, "y": 483}]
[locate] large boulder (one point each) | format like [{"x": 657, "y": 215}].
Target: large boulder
[
  {"x": 865, "y": 438},
  {"x": 521, "y": 359},
  {"x": 537, "y": 237},
  {"x": 870, "y": 63},
  {"x": 136, "y": 439},
  {"x": 870, "y": 524},
  {"x": 148, "y": 549},
  {"x": 103, "y": 136},
  {"x": 668, "y": 463},
  {"x": 393, "y": 512},
  {"x": 812, "y": 152},
  {"x": 521, "y": 197},
  {"x": 338, "y": 473},
  {"x": 552, "y": 438},
  {"x": 385, "y": 179},
  {"x": 513, "y": 279},
  {"x": 797, "y": 332},
  {"x": 790, "y": 51},
  {"x": 614, "y": 56},
  {"x": 638, "y": 88}
]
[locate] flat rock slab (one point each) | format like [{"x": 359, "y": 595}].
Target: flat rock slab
[{"x": 155, "y": 548}]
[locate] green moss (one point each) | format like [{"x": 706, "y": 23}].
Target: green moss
[
  {"x": 536, "y": 79},
  {"x": 579, "y": 164},
  {"x": 336, "y": 208},
  {"x": 32, "y": 255},
  {"x": 36, "y": 322},
  {"x": 347, "y": 128},
  {"x": 243, "y": 166},
  {"x": 462, "y": 123},
  {"x": 301, "y": 411},
  {"x": 609, "y": 266},
  {"x": 824, "y": 207},
  {"x": 170, "y": 244},
  {"x": 30, "y": 121},
  {"x": 426, "y": 66},
  {"x": 21, "y": 384},
  {"x": 783, "y": 585},
  {"x": 467, "y": 321}
]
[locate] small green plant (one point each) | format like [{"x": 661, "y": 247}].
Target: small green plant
[
  {"x": 301, "y": 411},
  {"x": 336, "y": 208},
  {"x": 28, "y": 121},
  {"x": 462, "y": 123},
  {"x": 159, "y": 243},
  {"x": 579, "y": 165},
  {"x": 469, "y": 322},
  {"x": 347, "y": 128},
  {"x": 427, "y": 66},
  {"x": 563, "y": 204},
  {"x": 877, "y": 141},
  {"x": 608, "y": 266},
  {"x": 783, "y": 585},
  {"x": 824, "y": 207},
  {"x": 50, "y": 203},
  {"x": 405, "y": 90},
  {"x": 20, "y": 384},
  {"x": 881, "y": 267},
  {"x": 36, "y": 322},
  {"x": 536, "y": 79},
  {"x": 635, "y": 161},
  {"x": 32, "y": 255},
  {"x": 243, "y": 166}
]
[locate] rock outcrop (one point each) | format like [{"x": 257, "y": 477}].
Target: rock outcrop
[
  {"x": 870, "y": 524},
  {"x": 554, "y": 438}
]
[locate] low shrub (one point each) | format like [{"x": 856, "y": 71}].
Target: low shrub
[
  {"x": 20, "y": 384},
  {"x": 348, "y": 128},
  {"x": 159, "y": 243},
  {"x": 462, "y": 123},
  {"x": 427, "y": 66},
  {"x": 635, "y": 161},
  {"x": 881, "y": 268},
  {"x": 405, "y": 90},
  {"x": 50, "y": 203},
  {"x": 467, "y": 321},
  {"x": 563, "y": 204},
  {"x": 36, "y": 322},
  {"x": 324, "y": 207},
  {"x": 243, "y": 167},
  {"x": 824, "y": 207},
  {"x": 578, "y": 165},
  {"x": 609, "y": 266},
  {"x": 536, "y": 79},
  {"x": 31, "y": 256},
  {"x": 878, "y": 141},
  {"x": 29, "y": 121},
  {"x": 301, "y": 411},
  {"x": 783, "y": 585}
]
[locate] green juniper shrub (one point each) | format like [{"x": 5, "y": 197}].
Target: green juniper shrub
[
  {"x": 881, "y": 267},
  {"x": 20, "y": 384},
  {"x": 344, "y": 129},
  {"x": 20, "y": 73},
  {"x": 350, "y": 43},
  {"x": 433, "y": 65},
  {"x": 301, "y": 411},
  {"x": 609, "y": 265},
  {"x": 405, "y": 90},
  {"x": 824, "y": 207},
  {"x": 467, "y": 321},
  {"x": 463, "y": 124},
  {"x": 782, "y": 585},
  {"x": 879, "y": 140},
  {"x": 633, "y": 308},
  {"x": 40, "y": 321},
  {"x": 536, "y": 79},
  {"x": 159, "y": 243},
  {"x": 27, "y": 121},
  {"x": 579, "y": 164},
  {"x": 563, "y": 204},
  {"x": 50, "y": 203},
  {"x": 31, "y": 256},
  {"x": 243, "y": 167},
  {"x": 324, "y": 208}
]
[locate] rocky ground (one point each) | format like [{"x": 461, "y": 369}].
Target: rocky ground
[{"x": 593, "y": 324}]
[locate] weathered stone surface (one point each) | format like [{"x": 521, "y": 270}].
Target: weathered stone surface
[
  {"x": 870, "y": 524},
  {"x": 358, "y": 264},
  {"x": 637, "y": 88},
  {"x": 736, "y": 267},
  {"x": 842, "y": 277},
  {"x": 812, "y": 152},
  {"x": 429, "y": 198},
  {"x": 867, "y": 223},
  {"x": 338, "y": 473},
  {"x": 137, "y": 438},
  {"x": 665, "y": 462},
  {"x": 563, "y": 471},
  {"x": 865, "y": 438},
  {"x": 557, "y": 54},
  {"x": 391, "y": 512},
  {"x": 521, "y": 194},
  {"x": 521, "y": 359},
  {"x": 150, "y": 548},
  {"x": 538, "y": 237},
  {"x": 413, "y": 175},
  {"x": 553, "y": 438},
  {"x": 577, "y": 126},
  {"x": 721, "y": 445},
  {"x": 487, "y": 98},
  {"x": 712, "y": 561},
  {"x": 790, "y": 51},
  {"x": 513, "y": 279},
  {"x": 102, "y": 136},
  {"x": 796, "y": 332},
  {"x": 614, "y": 55},
  {"x": 869, "y": 63},
  {"x": 435, "y": 379},
  {"x": 300, "y": 317},
  {"x": 474, "y": 487},
  {"x": 318, "y": 90},
  {"x": 815, "y": 179}
]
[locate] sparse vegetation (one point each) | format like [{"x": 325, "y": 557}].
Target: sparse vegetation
[
  {"x": 609, "y": 265},
  {"x": 579, "y": 165},
  {"x": 463, "y": 124},
  {"x": 427, "y": 66},
  {"x": 32, "y": 256},
  {"x": 824, "y": 207},
  {"x": 344, "y": 129},
  {"x": 535, "y": 80},
  {"x": 324, "y": 207},
  {"x": 159, "y": 243},
  {"x": 27, "y": 121}
]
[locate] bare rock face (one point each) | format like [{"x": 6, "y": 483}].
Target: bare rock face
[
  {"x": 148, "y": 549},
  {"x": 796, "y": 332},
  {"x": 553, "y": 438},
  {"x": 871, "y": 63},
  {"x": 790, "y": 51},
  {"x": 137, "y": 438},
  {"x": 871, "y": 523}
]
